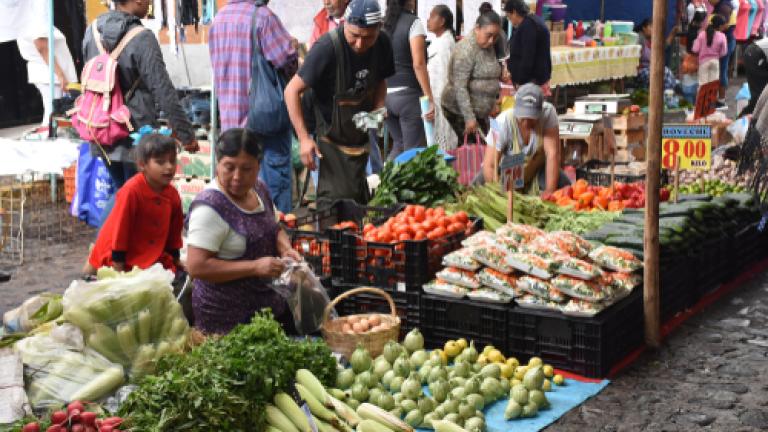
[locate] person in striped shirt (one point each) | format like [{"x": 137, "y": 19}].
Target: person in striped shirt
[{"x": 231, "y": 46}]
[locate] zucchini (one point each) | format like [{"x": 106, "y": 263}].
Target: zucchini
[{"x": 695, "y": 197}]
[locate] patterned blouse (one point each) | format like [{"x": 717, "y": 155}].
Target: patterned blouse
[{"x": 473, "y": 80}]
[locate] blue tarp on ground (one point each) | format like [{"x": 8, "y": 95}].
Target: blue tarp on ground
[
  {"x": 617, "y": 10},
  {"x": 562, "y": 399}
]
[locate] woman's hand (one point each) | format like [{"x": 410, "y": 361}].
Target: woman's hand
[
  {"x": 268, "y": 267},
  {"x": 430, "y": 114},
  {"x": 292, "y": 254},
  {"x": 470, "y": 127}
]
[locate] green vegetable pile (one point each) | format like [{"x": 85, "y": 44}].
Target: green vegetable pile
[
  {"x": 426, "y": 180},
  {"x": 225, "y": 384},
  {"x": 712, "y": 187},
  {"x": 490, "y": 203}
]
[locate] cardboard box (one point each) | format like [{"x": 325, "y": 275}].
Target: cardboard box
[
  {"x": 194, "y": 165},
  {"x": 188, "y": 189},
  {"x": 558, "y": 26}
]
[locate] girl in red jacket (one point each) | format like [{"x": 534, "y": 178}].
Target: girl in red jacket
[{"x": 145, "y": 225}]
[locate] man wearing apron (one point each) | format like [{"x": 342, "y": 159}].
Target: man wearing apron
[
  {"x": 346, "y": 69},
  {"x": 531, "y": 127}
]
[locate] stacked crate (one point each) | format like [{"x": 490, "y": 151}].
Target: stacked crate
[{"x": 629, "y": 130}]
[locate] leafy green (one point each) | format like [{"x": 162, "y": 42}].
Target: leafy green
[
  {"x": 426, "y": 180},
  {"x": 225, "y": 383}
]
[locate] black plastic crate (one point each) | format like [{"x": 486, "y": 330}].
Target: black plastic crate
[
  {"x": 444, "y": 319},
  {"x": 404, "y": 265},
  {"x": 407, "y": 304},
  {"x": 321, "y": 246},
  {"x": 588, "y": 171},
  {"x": 586, "y": 346},
  {"x": 677, "y": 290}
]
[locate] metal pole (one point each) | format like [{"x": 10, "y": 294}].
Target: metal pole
[
  {"x": 213, "y": 136},
  {"x": 653, "y": 157},
  {"x": 52, "y": 95}
]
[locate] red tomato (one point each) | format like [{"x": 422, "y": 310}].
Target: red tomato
[
  {"x": 428, "y": 225},
  {"x": 368, "y": 228},
  {"x": 463, "y": 217},
  {"x": 420, "y": 235},
  {"x": 437, "y": 233},
  {"x": 404, "y": 236},
  {"x": 439, "y": 211},
  {"x": 420, "y": 214},
  {"x": 456, "y": 227},
  {"x": 409, "y": 210},
  {"x": 385, "y": 236},
  {"x": 445, "y": 222},
  {"x": 428, "y": 213}
]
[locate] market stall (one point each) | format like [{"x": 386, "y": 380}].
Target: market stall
[{"x": 582, "y": 65}]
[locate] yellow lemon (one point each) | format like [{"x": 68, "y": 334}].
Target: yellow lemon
[
  {"x": 488, "y": 349},
  {"x": 559, "y": 380},
  {"x": 440, "y": 355},
  {"x": 462, "y": 343},
  {"x": 512, "y": 361},
  {"x": 535, "y": 361},
  {"x": 520, "y": 372},
  {"x": 507, "y": 371},
  {"x": 495, "y": 356},
  {"x": 482, "y": 360},
  {"x": 451, "y": 349},
  {"x": 547, "y": 386},
  {"x": 548, "y": 370}
]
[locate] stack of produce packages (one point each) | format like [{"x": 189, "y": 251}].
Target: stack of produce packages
[
  {"x": 117, "y": 326},
  {"x": 704, "y": 242},
  {"x": 555, "y": 276}
]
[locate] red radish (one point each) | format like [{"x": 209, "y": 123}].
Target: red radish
[
  {"x": 54, "y": 428},
  {"x": 107, "y": 428},
  {"x": 31, "y": 427},
  {"x": 77, "y": 428},
  {"x": 74, "y": 416},
  {"x": 75, "y": 405},
  {"x": 88, "y": 418},
  {"x": 91, "y": 429},
  {"x": 59, "y": 417}
]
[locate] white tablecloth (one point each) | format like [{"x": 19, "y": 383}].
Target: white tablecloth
[{"x": 20, "y": 157}]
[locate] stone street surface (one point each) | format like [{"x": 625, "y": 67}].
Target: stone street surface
[{"x": 709, "y": 375}]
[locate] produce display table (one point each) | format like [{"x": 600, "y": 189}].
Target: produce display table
[{"x": 573, "y": 66}]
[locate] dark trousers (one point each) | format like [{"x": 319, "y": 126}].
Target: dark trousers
[
  {"x": 404, "y": 121},
  {"x": 756, "y": 66}
]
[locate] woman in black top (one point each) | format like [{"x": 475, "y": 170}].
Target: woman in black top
[{"x": 411, "y": 79}]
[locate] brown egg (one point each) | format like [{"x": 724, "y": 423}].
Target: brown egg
[
  {"x": 346, "y": 328},
  {"x": 375, "y": 320},
  {"x": 358, "y": 328}
]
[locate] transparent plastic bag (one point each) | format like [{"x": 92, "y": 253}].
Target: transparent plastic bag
[
  {"x": 58, "y": 369},
  {"x": 305, "y": 294},
  {"x": 130, "y": 318}
]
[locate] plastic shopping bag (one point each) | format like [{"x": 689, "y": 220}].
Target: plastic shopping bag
[
  {"x": 58, "y": 369},
  {"x": 306, "y": 296},
  {"x": 94, "y": 187},
  {"x": 130, "y": 318}
]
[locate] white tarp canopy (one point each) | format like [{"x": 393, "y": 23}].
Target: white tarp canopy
[{"x": 21, "y": 157}]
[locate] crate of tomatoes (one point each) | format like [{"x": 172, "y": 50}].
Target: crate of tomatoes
[
  {"x": 406, "y": 250},
  {"x": 317, "y": 234},
  {"x": 582, "y": 196}
]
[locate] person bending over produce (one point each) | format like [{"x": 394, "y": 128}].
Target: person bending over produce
[
  {"x": 145, "y": 225},
  {"x": 235, "y": 245},
  {"x": 531, "y": 127}
]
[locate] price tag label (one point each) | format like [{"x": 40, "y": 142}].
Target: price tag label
[
  {"x": 692, "y": 144},
  {"x": 512, "y": 171}
]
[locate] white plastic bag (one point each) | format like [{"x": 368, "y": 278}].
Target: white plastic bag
[
  {"x": 58, "y": 370},
  {"x": 13, "y": 399},
  {"x": 305, "y": 295}
]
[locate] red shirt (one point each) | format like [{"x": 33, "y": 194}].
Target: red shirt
[
  {"x": 323, "y": 24},
  {"x": 145, "y": 225}
]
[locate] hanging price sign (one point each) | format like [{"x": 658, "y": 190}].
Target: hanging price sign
[
  {"x": 512, "y": 171},
  {"x": 690, "y": 144}
]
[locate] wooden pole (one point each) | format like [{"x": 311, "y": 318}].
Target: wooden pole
[
  {"x": 653, "y": 156},
  {"x": 510, "y": 204}
]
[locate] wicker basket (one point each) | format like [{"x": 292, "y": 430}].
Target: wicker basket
[{"x": 373, "y": 341}]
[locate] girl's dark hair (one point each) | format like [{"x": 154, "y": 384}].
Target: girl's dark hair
[
  {"x": 517, "y": 6},
  {"x": 445, "y": 13},
  {"x": 488, "y": 18},
  {"x": 716, "y": 23},
  {"x": 154, "y": 145},
  {"x": 237, "y": 140},
  {"x": 395, "y": 8},
  {"x": 485, "y": 7},
  {"x": 643, "y": 24}
]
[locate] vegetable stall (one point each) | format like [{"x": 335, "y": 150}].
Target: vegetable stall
[{"x": 471, "y": 321}]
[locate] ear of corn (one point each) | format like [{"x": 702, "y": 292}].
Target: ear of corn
[
  {"x": 311, "y": 383},
  {"x": 372, "y": 426},
  {"x": 446, "y": 426},
  {"x": 345, "y": 412},
  {"x": 291, "y": 410},
  {"x": 372, "y": 412},
  {"x": 318, "y": 409},
  {"x": 278, "y": 420}
]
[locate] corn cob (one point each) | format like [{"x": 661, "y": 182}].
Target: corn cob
[
  {"x": 372, "y": 426},
  {"x": 291, "y": 410},
  {"x": 311, "y": 383},
  {"x": 372, "y": 412},
  {"x": 278, "y": 420},
  {"x": 345, "y": 412}
]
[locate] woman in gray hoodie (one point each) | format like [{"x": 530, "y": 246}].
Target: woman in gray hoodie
[{"x": 144, "y": 81}]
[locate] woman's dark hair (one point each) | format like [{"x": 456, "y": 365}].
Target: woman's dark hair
[
  {"x": 488, "y": 18},
  {"x": 643, "y": 24},
  {"x": 395, "y": 8},
  {"x": 445, "y": 13},
  {"x": 153, "y": 146},
  {"x": 237, "y": 140},
  {"x": 517, "y": 6},
  {"x": 716, "y": 23},
  {"x": 485, "y": 7}
]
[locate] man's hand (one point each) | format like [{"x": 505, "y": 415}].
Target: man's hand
[
  {"x": 470, "y": 127},
  {"x": 308, "y": 150},
  {"x": 268, "y": 267}
]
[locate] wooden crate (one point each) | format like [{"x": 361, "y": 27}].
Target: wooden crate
[
  {"x": 629, "y": 122},
  {"x": 624, "y": 139}
]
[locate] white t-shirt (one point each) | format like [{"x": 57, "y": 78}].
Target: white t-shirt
[
  {"x": 416, "y": 30},
  {"x": 34, "y": 25},
  {"x": 207, "y": 230},
  {"x": 504, "y": 143}
]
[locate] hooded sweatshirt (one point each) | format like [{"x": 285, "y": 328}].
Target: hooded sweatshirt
[{"x": 140, "y": 60}]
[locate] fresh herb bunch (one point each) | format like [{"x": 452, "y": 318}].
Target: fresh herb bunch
[
  {"x": 225, "y": 383},
  {"x": 426, "y": 180}
]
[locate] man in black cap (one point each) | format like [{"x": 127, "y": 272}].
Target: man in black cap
[
  {"x": 346, "y": 69},
  {"x": 529, "y": 56}
]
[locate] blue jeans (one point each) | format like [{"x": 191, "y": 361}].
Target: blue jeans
[
  {"x": 276, "y": 169},
  {"x": 724, "y": 61}
]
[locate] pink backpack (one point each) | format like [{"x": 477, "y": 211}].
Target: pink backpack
[{"x": 100, "y": 114}]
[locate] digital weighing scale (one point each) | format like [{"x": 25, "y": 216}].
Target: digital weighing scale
[{"x": 602, "y": 104}]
